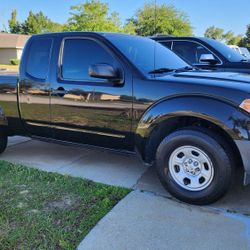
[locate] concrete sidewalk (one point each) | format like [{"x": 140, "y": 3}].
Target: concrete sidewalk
[
  {"x": 143, "y": 220},
  {"x": 93, "y": 164}
]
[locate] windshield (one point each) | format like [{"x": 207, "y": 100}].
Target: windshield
[
  {"x": 245, "y": 52},
  {"x": 146, "y": 54},
  {"x": 227, "y": 52}
]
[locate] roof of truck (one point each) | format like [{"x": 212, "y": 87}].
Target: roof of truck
[{"x": 82, "y": 33}]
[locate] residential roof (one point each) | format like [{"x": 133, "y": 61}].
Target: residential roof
[{"x": 12, "y": 40}]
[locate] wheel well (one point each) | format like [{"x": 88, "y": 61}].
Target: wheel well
[{"x": 166, "y": 127}]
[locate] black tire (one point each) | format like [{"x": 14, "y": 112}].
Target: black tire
[
  {"x": 214, "y": 147},
  {"x": 3, "y": 142}
]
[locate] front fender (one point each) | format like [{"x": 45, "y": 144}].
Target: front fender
[{"x": 220, "y": 113}]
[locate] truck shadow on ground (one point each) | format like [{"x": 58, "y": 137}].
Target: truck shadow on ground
[{"x": 237, "y": 199}]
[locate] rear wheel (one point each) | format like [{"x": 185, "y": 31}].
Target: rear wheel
[{"x": 194, "y": 166}]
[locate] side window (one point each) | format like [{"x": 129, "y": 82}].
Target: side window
[
  {"x": 38, "y": 58},
  {"x": 167, "y": 44},
  {"x": 189, "y": 51},
  {"x": 79, "y": 54}
]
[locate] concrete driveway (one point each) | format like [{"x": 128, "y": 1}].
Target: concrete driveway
[{"x": 148, "y": 218}]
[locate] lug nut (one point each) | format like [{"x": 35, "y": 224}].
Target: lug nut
[{"x": 196, "y": 163}]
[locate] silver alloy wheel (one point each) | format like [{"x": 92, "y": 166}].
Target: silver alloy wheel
[{"x": 191, "y": 168}]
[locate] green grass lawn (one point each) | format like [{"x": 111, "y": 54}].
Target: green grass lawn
[{"x": 40, "y": 210}]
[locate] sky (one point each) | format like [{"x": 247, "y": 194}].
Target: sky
[{"x": 227, "y": 14}]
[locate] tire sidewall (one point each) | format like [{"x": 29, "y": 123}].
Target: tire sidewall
[{"x": 217, "y": 155}]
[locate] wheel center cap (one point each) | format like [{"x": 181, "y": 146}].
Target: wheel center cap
[{"x": 192, "y": 166}]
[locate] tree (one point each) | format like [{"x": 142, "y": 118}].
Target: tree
[
  {"x": 93, "y": 15},
  {"x": 35, "y": 23},
  {"x": 219, "y": 34},
  {"x": 231, "y": 38},
  {"x": 161, "y": 19},
  {"x": 245, "y": 41},
  {"x": 39, "y": 23},
  {"x": 214, "y": 33},
  {"x": 14, "y": 25},
  {"x": 129, "y": 27}
]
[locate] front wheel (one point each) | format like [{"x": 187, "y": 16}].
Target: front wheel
[{"x": 194, "y": 166}]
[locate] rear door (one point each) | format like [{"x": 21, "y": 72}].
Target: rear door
[
  {"x": 34, "y": 87},
  {"x": 89, "y": 110}
]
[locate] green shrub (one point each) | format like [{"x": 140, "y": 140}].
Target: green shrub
[{"x": 15, "y": 61}]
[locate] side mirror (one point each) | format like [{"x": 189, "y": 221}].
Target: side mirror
[
  {"x": 208, "y": 58},
  {"x": 104, "y": 71}
]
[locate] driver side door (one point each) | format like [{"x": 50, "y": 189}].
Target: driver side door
[{"x": 90, "y": 110}]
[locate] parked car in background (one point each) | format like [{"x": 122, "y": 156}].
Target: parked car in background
[
  {"x": 245, "y": 52},
  {"x": 236, "y": 48},
  {"x": 241, "y": 50},
  {"x": 206, "y": 53},
  {"x": 131, "y": 93}
]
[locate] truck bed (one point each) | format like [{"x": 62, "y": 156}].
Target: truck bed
[{"x": 8, "y": 101}]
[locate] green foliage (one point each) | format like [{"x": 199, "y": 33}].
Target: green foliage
[
  {"x": 231, "y": 38},
  {"x": 93, "y": 15},
  {"x": 15, "y": 61},
  {"x": 14, "y": 25},
  {"x": 129, "y": 27},
  {"x": 34, "y": 24},
  {"x": 39, "y": 23},
  {"x": 214, "y": 33},
  {"x": 245, "y": 41},
  {"x": 161, "y": 19},
  {"x": 220, "y": 35}
]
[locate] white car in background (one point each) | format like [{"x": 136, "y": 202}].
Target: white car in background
[{"x": 241, "y": 50}]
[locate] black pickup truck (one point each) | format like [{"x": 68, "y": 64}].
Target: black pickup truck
[{"x": 133, "y": 94}]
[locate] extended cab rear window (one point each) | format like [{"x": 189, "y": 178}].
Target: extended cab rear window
[{"x": 39, "y": 58}]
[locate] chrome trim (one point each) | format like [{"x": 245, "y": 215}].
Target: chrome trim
[{"x": 77, "y": 130}]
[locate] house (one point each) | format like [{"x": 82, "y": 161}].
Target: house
[{"x": 11, "y": 46}]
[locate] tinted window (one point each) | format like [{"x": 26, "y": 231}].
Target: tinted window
[
  {"x": 146, "y": 54},
  {"x": 189, "y": 51},
  {"x": 79, "y": 55},
  {"x": 245, "y": 52},
  {"x": 38, "y": 60},
  {"x": 167, "y": 44},
  {"x": 227, "y": 52}
]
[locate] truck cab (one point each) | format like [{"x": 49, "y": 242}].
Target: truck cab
[{"x": 60, "y": 100}]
